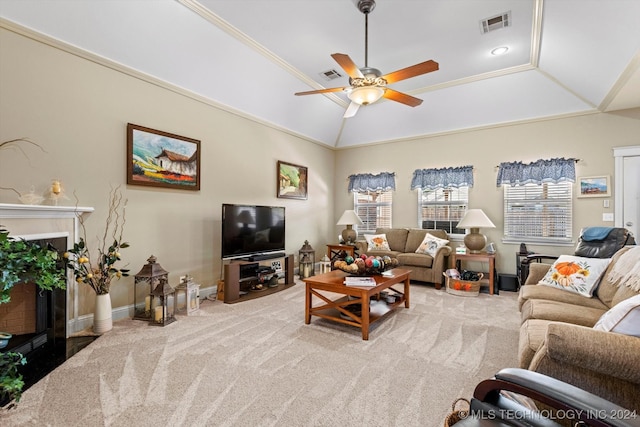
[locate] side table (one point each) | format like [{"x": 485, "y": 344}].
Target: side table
[
  {"x": 481, "y": 257},
  {"x": 333, "y": 252}
]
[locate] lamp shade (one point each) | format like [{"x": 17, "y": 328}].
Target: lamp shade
[
  {"x": 349, "y": 217},
  {"x": 475, "y": 218}
]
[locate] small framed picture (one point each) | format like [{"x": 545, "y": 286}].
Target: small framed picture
[
  {"x": 162, "y": 159},
  {"x": 292, "y": 181},
  {"x": 594, "y": 186}
]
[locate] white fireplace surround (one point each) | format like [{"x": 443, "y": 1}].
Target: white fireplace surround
[{"x": 33, "y": 222}]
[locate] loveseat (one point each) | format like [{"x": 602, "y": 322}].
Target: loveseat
[
  {"x": 403, "y": 243},
  {"x": 558, "y": 337}
]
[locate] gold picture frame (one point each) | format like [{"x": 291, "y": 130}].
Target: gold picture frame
[{"x": 594, "y": 186}]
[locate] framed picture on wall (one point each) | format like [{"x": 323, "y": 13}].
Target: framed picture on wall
[
  {"x": 292, "y": 181},
  {"x": 594, "y": 186},
  {"x": 161, "y": 159}
]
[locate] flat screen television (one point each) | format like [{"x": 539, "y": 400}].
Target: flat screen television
[{"x": 252, "y": 230}]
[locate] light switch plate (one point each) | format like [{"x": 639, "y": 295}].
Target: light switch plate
[
  {"x": 605, "y": 203},
  {"x": 608, "y": 217}
]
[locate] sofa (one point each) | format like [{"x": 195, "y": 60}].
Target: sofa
[
  {"x": 558, "y": 338},
  {"x": 403, "y": 243}
]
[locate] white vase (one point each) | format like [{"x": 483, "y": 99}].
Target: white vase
[{"x": 102, "y": 321}]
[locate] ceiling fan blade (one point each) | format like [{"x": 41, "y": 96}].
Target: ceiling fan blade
[
  {"x": 412, "y": 71},
  {"x": 403, "y": 98},
  {"x": 352, "y": 109},
  {"x": 312, "y": 92},
  {"x": 348, "y": 65}
]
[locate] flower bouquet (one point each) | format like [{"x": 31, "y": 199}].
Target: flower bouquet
[
  {"x": 366, "y": 265},
  {"x": 79, "y": 258}
]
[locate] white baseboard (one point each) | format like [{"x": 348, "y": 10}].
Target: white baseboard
[{"x": 86, "y": 321}]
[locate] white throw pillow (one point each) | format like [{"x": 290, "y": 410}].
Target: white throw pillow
[
  {"x": 430, "y": 245},
  {"x": 576, "y": 274},
  {"x": 377, "y": 242},
  {"x": 622, "y": 318}
]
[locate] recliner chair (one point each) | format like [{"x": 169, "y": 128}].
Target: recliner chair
[
  {"x": 558, "y": 401},
  {"x": 594, "y": 242}
]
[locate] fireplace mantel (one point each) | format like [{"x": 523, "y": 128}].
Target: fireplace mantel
[{"x": 10, "y": 210}]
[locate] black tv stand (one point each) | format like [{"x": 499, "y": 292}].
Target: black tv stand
[{"x": 262, "y": 257}]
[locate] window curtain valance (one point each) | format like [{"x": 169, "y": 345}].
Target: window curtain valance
[
  {"x": 384, "y": 181},
  {"x": 552, "y": 170},
  {"x": 430, "y": 179}
]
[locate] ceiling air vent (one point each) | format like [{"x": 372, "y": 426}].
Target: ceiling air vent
[
  {"x": 495, "y": 22},
  {"x": 330, "y": 75}
]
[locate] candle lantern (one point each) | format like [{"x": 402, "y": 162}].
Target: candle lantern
[
  {"x": 147, "y": 279},
  {"x": 307, "y": 257},
  {"x": 163, "y": 304},
  {"x": 325, "y": 264},
  {"x": 188, "y": 295}
]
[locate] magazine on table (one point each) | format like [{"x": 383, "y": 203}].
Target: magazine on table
[{"x": 360, "y": 281}]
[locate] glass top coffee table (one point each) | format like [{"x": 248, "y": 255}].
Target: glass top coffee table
[{"x": 352, "y": 305}]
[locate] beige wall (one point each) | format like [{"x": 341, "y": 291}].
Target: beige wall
[
  {"x": 589, "y": 138},
  {"x": 78, "y": 111}
]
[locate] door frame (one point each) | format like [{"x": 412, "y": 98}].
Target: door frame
[{"x": 619, "y": 154}]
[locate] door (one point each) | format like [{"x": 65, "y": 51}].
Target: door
[
  {"x": 627, "y": 189},
  {"x": 631, "y": 195}
]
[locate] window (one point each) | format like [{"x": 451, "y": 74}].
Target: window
[
  {"x": 538, "y": 213},
  {"x": 373, "y": 208},
  {"x": 442, "y": 208}
]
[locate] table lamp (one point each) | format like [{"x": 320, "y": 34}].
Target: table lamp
[
  {"x": 349, "y": 218},
  {"x": 475, "y": 219}
]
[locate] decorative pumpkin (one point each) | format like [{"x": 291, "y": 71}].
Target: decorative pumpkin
[{"x": 568, "y": 268}]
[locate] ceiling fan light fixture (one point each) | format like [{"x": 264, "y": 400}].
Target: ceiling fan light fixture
[{"x": 365, "y": 95}]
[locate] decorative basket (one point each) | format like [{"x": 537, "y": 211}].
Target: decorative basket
[
  {"x": 358, "y": 266},
  {"x": 459, "y": 411},
  {"x": 465, "y": 288}
]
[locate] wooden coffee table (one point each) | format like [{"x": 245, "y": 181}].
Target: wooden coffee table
[{"x": 335, "y": 309}]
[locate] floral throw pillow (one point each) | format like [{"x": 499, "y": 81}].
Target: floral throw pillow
[
  {"x": 431, "y": 244},
  {"x": 377, "y": 242},
  {"x": 576, "y": 274},
  {"x": 622, "y": 318}
]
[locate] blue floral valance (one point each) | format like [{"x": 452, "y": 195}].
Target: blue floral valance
[
  {"x": 430, "y": 179},
  {"x": 384, "y": 181},
  {"x": 552, "y": 170}
]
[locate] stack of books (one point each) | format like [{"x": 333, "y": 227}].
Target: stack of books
[{"x": 366, "y": 282}]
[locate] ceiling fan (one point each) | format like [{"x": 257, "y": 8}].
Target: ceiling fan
[{"x": 367, "y": 85}]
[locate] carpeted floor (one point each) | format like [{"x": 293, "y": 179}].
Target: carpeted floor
[{"x": 256, "y": 363}]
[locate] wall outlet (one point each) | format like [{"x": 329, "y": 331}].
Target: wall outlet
[
  {"x": 607, "y": 217},
  {"x": 605, "y": 203}
]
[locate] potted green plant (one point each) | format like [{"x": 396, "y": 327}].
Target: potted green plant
[{"x": 22, "y": 261}]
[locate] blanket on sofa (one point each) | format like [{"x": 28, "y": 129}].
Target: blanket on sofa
[{"x": 627, "y": 270}]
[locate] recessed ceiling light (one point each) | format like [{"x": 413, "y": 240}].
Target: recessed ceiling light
[{"x": 499, "y": 50}]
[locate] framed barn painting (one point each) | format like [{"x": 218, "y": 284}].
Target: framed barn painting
[
  {"x": 594, "y": 186},
  {"x": 161, "y": 159},
  {"x": 292, "y": 181}
]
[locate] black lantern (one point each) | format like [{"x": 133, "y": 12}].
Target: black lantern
[
  {"x": 163, "y": 304},
  {"x": 307, "y": 261},
  {"x": 147, "y": 279}
]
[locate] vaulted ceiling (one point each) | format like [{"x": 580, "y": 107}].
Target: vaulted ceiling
[{"x": 565, "y": 57}]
